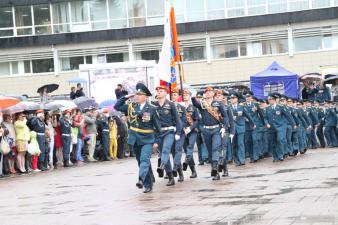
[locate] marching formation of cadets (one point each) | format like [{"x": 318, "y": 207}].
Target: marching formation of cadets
[{"x": 232, "y": 127}]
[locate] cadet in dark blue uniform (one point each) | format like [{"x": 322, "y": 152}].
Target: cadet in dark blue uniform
[
  {"x": 214, "y": 127},
  {"x": 38, "y": 125},
  {"x": 265, "y": 143},
  {"x": 190, "y": 131},
  {"x": 276, "y": 125},
  {"x": 143, "y": 127},
  {"x": 239, "y": 115},
  {"x": 319, "y": 131},
  {"x": 66, "y": 130},
  {"x": 252, "y": 135},
  {"x": 330, "y": 124},
  {"x": 288, "y": 148},
  {"x": 313, "y": 117},
  {"x": 178, "y": 145},
  {"x": 201, "y": 147},
  {"x": 302, "y": 138},
  {"x": 294, "y": 135},
  {"x": 103, "y": 124},
  {"x": 171, "y": 130}
]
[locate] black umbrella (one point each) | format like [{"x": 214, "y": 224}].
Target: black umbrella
[
  {"x": 49, "y": 88},
  {"x": 85, "y": 102}
]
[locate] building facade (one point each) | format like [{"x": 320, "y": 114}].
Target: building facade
[{"x": 45, "y": 41}]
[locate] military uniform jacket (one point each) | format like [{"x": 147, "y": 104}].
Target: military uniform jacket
[
  {"x": 330, "y": 118},
  {"x": 302, "y": 116},
  {"x": 144, "y": 125},
  {"x": 295, "y": 116},
  {"x": 231, "y": 128},
  {"x": 38, "y": 126},
  {"x": 256, "y": 114},
  {"x": 192, "y": 116},
  {"x": 207, "y": 118},
  {"x": 65, "y": 126},
  {"x": 312, "y": 116},
  {"x": 288, "y": 111},
  {"x": 240, "y": 116},
  {"x": 275, "y": 114},
  {"x": 181, "y": 110},
  {"x": 168, "y": 115}
]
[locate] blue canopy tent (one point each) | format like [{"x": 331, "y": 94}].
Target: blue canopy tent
[{"x": 275, "y": 79}]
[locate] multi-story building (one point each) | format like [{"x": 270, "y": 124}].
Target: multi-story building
[{"x": 45, "y": 41}]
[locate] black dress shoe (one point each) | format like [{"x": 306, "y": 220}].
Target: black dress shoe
[
  {"x": 193, "y": 172},
  {"x": 225, "y": 173},
  {"x": 139, "y": 184},
  {"x": 216, "y": 177},
  {"x": 107, "y": 159},
  {"x": 180, "y": 175},
  {"x": 160, "y": 170},
  {"x": 220, "y": 168},
  {"x": 147, "y": 190},
  {"x": 174, "y": 173},
  {"x": 185, "y": 166},
  {"x": 171, "y": 181}
]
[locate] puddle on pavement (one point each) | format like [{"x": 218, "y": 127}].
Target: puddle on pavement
[
  {"x": 160, "y": 209},
  {"x": 250, "y": 218},
  {"x": 329, "y": 219},
  {"x": 205, "y": 190},
  {"x": 306, "y": 168},
  {"x": 71, "y": 186}
]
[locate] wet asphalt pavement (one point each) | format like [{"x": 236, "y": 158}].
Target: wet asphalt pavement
[{"x": 301, "y": 190}]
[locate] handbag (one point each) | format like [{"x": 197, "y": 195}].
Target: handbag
[{"x": 4, "y": 146}]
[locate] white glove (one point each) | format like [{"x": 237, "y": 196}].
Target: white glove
[
  {"x": 177, "y": 137},
  {"x": 222, "y": 132},
  {"x": 231, "y": 136},
  {"x": 187, "y": 130}
]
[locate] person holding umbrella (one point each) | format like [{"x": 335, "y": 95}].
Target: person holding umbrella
[{"x": 66, "y": 130}]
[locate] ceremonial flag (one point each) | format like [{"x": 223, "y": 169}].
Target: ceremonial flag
[{"x": 170, "y": 53}]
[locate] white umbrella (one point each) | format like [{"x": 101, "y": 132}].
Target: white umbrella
[{"x": 62, "y": 104}]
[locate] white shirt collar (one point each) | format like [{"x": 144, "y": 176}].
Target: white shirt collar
[{"x": 142, "y": 105}]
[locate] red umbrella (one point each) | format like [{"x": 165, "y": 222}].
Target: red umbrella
[{"x": 6, "y": 102}]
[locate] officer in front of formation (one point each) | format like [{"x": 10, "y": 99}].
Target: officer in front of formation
[
  {"x": 66, "y": 130},
  {"x": 215, "y": 125},
  {"x": 144, "y": 132},
  {"x": 171, "y": 131},
  {"x": 177, "y": 147},
  {"x": 38, "y": 125},
  {"x": 276, "y": 123},
  {"x": 190, "y": 131},
  {"x": 240, "y": 115},
  {"x": 103, "y": 124}
]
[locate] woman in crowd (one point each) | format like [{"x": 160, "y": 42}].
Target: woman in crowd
[
  {"x": 57, "y": 140},
  {"x": 113, "y": 138},
  {"x": 9, "y": 159},
  {"x": 21, "y": 141},
  {"x": 78, "y": 124},
  {"x": 50, "y": 136}
]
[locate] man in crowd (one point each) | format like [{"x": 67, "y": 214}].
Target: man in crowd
[
  {"x": 91, "y": 130},
  {"x": 66, "y": 130},
  {"x": 79, "y": 91},
  {"x": 103, "y": 124},
  {"x": 120, "y": 91}
]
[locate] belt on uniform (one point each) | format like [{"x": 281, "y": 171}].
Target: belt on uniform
[
  {"x": 68, "y": 135},
  {"x": 41, "y": 134},
  {"x": 168, "y": 128},
  {"x": 105, "y": 130},
  {"x": 141, "y": 130},
  {"x": 211, "y": 127}
]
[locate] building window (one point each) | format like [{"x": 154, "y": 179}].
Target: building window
[
  {"x": 256, "y": 7},
  {"x": 298, "y": 5},
  {"x": 271, "y": 47},
  {"x": 155, "y": 10},
  {"x": 4, "y": 68},
  {"x": 179, "y": 11},
  {"x": 98, "y": 14},
  {"x": 61, "y": 17},
  {"x": 137, "y": 13},
  {"x": 225, "y": 51},
  {"x": 195, "y": 10},
  {"x": 194, "y": 53},
  {"x": 148, "y": 55},
  {"x": 215, "y": 9},
  {"x": 23, "y": 20},
  {"x": 320, "y": 3},
  {"x": 254, "y": 48},
  {"x": 71, "y": 63},
  {"x": 118, "y": 14},
  {"x": 277, "y": 6},
  {"x": 80, "y": 17},
  {"x": 243, "y": 49},
  {"x": 89, "y": 60},
  {"x": 27, "y": 66},
  {"x": 235, "y": 8},
  {"x": 42, "y": 19},
  {"x": 308, "y": 43},
  {"x": 6, "y": 21},
  {"x": 336, "y": 2},
  {"x": 117, "y": 57},
  {"x": 43, "y": 65}
]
